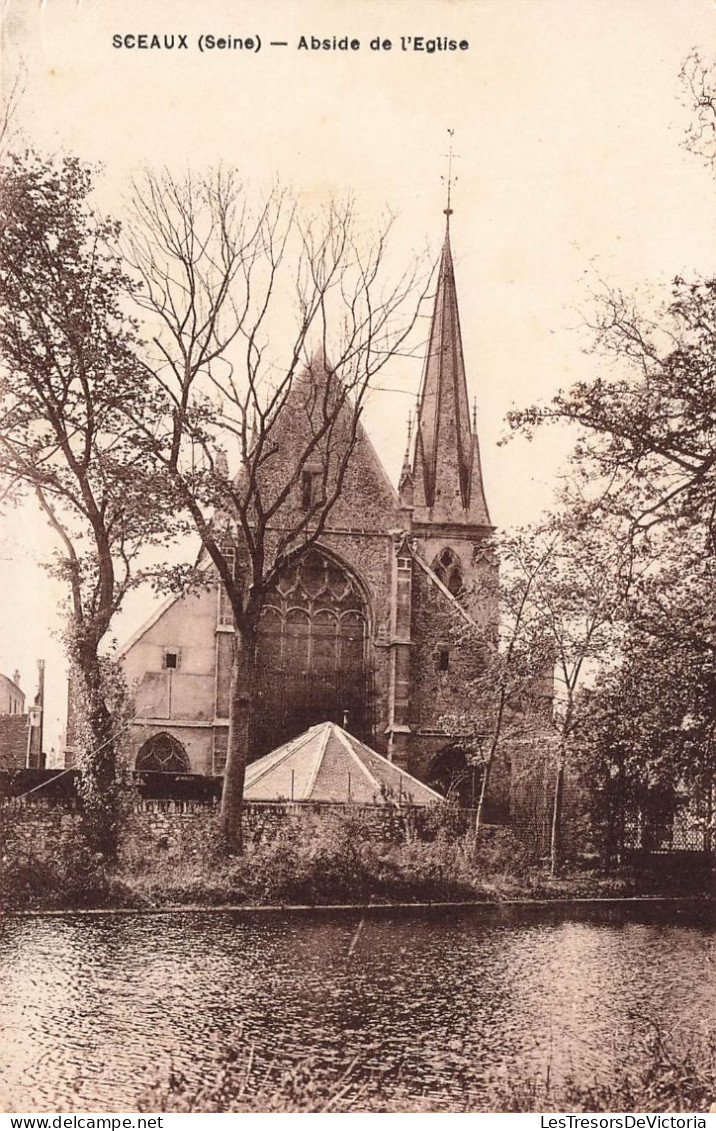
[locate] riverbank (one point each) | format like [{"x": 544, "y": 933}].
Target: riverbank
[{"x": 340, "y": 863}]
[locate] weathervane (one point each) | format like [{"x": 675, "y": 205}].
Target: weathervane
[{"x": 449, "y": 180}]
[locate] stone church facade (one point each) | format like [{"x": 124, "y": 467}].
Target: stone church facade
[{"x": 359, "y": 628}]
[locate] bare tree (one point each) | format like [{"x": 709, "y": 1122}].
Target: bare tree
[
  {"x": 575, "y": 607},
  {"x": 510, "y": 698},
  {"x": 68, "y": 375},
  {"x": 9, "y": 112},
  {"x": 563, "y": 583},
  {"x": 221, "y": 286},
  {"x": 697, "y": 83}
]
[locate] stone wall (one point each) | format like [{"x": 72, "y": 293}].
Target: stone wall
[{"x": 172, "y": 829}]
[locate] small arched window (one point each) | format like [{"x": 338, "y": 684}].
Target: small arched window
[
  {"x": 447, "y": 567},
  {"x": 164, "y": 754}
]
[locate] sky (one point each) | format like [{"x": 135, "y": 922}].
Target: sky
[{"x": 568, "y": 126}]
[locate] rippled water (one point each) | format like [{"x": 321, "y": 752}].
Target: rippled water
[{"x": 93, "y": 1010}]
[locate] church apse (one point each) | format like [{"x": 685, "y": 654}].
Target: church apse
[
  {"x": 312, "y": 653},
  {"x": 358, "y": 629}
]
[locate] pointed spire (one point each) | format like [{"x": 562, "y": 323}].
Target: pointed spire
[
  {"x": 405, "y": 484},
  {"x": 317, "y": 374},
  {"x": 319, "y": 366},
  {"x": 221, "y": 464},
  {"x": 446, "y": 467}
]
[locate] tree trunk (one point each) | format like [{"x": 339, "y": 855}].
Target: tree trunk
[
  {"x": 240, "y": 703},
  {"x": 98, "y": 758},
  {"x": 556, "y": 838},
  {"x": 486, "y": 767},
  {"x": 621, "y": 802},
  {"x": 708, "y": 829}
]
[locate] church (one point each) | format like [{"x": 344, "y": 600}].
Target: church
[{"x": 359, "y": 630}]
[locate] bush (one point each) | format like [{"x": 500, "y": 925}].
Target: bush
[
  {"x": 315, "y": 858},
  {"x": 71, "y": 877}
]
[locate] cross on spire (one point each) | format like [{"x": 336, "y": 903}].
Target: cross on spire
[{"x": 449, "y": 180}]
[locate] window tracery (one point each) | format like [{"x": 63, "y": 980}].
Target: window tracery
[
  {"x": 163, "y": 753},
  {"x": 313, "y": 620},
  {"x": 447, "y": 567}
]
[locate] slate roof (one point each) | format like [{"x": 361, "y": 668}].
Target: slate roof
[
  {"x": 446, "y": 471},
  {"x": 326, "y": 763}
]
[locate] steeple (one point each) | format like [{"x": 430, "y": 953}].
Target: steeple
[
  {"x": 446, "y": 467},
  {"x": 405, "y": 484}
]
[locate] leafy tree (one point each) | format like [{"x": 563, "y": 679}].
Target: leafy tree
[
  {"x": 68, "y": 375},
  {"x": 219, "y": 287},
  {"x": 646, "y": 442},
  {"x": 508, "y": 701},
  {"x": 575, "y": 602},
  {"x": 647, "y": 740},
  {"x": 662, "y": 695},
  {"x": 650, "y": 430}
]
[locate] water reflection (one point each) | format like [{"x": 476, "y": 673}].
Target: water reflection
[{"x": 102, "y": 1007}]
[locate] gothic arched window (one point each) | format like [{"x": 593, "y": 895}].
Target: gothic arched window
[
  {"x": 312, "y": 662},
  {"x": 163, "y": 753},
  {"x": 447, "y": 567},
  {"x": 313, "y": 620}
]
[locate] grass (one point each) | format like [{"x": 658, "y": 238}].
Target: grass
[
  {"x": 320, "y": 860},
  {"x": 674, "y": 1075}
]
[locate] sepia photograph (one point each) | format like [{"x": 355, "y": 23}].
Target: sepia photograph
[{"x": 357, "y": 558}]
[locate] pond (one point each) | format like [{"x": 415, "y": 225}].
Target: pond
[{"x": 95, "y": 1009}]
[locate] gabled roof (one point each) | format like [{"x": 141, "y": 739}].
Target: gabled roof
[
  {"x": 319, "y": 370},
  {"x": 326, "y": 763},
  {"x": 203, "y": 564}
]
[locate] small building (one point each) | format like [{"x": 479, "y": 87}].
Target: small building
[
  {"x": 328, "y": 764},
  {"x": 21, "y": 730},
  {"x": 12, "y": 698}
]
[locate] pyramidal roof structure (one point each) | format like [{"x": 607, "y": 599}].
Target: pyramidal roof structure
[
  {"x": 326, "y": 763},
  {"x": 447, "y": 475}
]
